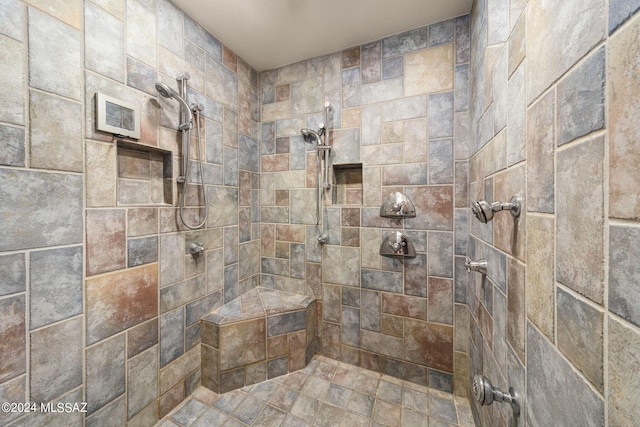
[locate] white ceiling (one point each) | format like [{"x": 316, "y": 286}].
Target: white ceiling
[{"x": 271, "y": 33}]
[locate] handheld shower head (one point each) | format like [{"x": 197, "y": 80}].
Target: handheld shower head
[
  {"x": 309, "y": 132},
  {"x": 167, "y": 92}
]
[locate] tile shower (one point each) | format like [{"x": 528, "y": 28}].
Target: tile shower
[{"x": 100, "y": 301}]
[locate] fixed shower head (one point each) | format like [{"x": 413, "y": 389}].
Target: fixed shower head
[
  {"x": 484, "y": 211},
  {"x": 167, "y": 92}
]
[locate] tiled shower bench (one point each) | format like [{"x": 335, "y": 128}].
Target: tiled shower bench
[{"x": 260, "y": 335}]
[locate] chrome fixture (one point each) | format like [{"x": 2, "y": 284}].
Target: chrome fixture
[
  {"x": 196, "y": 249},
  {"x": 480, "y": 266},
  {"x": 484, "y": 211},
  {"x": 397, "y": 245},
  {"x": 486, "y": 394},
  {"x": 322, "y": 146},
  {"x": 397, "y": 205},
  {"x": 187, "y": 114}
]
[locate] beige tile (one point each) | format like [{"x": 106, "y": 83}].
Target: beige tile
[
  {"x": 439, "y": 61},
  {"x": 624, "y": 107},
  {"x": 539, "y": 274}
]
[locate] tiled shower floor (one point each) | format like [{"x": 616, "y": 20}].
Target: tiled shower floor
[{"x": 326, "y": 393}]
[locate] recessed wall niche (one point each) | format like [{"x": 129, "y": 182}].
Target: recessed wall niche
[
  {"x": 144, "y": 175},
  {"x": 348, "y": 184}
]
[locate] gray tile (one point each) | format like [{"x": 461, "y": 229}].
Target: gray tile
[
  {"x": 624, "y": 250},
  {"x": 221, "y": 84},
  {"x": 140, "y": 32},
  {"x": 370, "y": 312},
  {"x": 285, "y": 323},
  {"x": 405, "y": 42},
  {"x": 13, "y": 76},
  {"x": 440, "y": 250},
  {"x": 248, "y": 158},
  {"x": 196, "y": 33},
  {"x": 382, "y": 280},
  {"x": 111, "y": 415},
  {"x": 11, "y": 12},
  {"x": 189, "y": 412},
  {"x": 581, "y": 99},
  {"x": 56, "y": 360},
  {"x": 516, "y": 117},
  {"x": 461, "y": 86},
  {"x": 547, "y": 370},
  {"x": 442, "y": 409},
  {"x": 270, "y": 417},
  {"x": 540, "y": 155},
  {"x": 351, "y": 87},
  {"x": 337, "y": 395},
  {"x": 171, "y": 336},
  {"x": 104, "y": 44},
  {"x": 405, "y": 108},
  {"x": 441, "y": 32},
  {"x": 142, "y": 381},
  {"x": 13, "y": 273},
  {"x": 341, "y": 266},
  {"x": 441, "y": 115},
  {"x": 12, "y": 152},
  {"x": 141, "y": 76},
  {"x": 55, "y": 285},
  {"x": 142, "y": 251},
  {"x": 231, "y": 285},
  {"x": 441, "y": 162},
  {"x": 105, "y": 372},
  {"x": 170, "y": 24},
  {"x": 55, "y": 52},
  {"x": 580, "y": 336},
  {"x": 620, "y": 11},
  {"x": 40, "y": 209},
  {"x": 249, "y": 410}
]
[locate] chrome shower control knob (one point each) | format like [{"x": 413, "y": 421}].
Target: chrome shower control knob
[{"x": 196, "y": 249}]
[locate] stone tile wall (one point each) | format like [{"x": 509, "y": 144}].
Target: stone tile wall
[
  {"x": 401, "y": 114},
  {"x": 554, "y": 91},
  {"x": 99, "y": 299}
]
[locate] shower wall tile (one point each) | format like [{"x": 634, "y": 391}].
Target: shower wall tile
[
  {"x": 221, "y": 84},
  {"x": 516, "y": 309},
  {"x": 100, "y": 175},
  {"x": 371, "y": 55},
  {"x": 12, "y": 140},
  {"x": 12, "y": 391},
  {"x": 142, "y": 381},
  {"x": 509, "y": 233},
  {"x": 440, "y": 63},
  {"x": 382, "y": 280},
  {"x": 548, "y": 56},
  {"x": 12, "y": 98},
  {"x": 440, "y": 250},
  {"x": 405, "y": 174},
  {"x": 438, "y": 201},
  {"x": 13, "y": 358},
  {"x": 171, "y": 336},
  {"x": 429, "y": 344},
  {"x": 440, "y": 301},
  {"x": 55, "y": 360},
  {"x": 179, "y": 294},
  {"x": 623, "y": 356},
  {"x": 624, "y": 250},
  {"x": 406, "y": 42},
  {"x": 40, "y": 209},
  {"x": 624, "y": 172},
  {"x": 306, "y": 96},
  {"x": 405, "y": 306},
  {"x": 142, "y": 251},
  {"x": 441, "y": 33},
  {"x": 105, "y": 372},
  {"x": 55, "y": 285},
  {"x": 223, "y": 206},
  {"x": 119, "y": 300},
  {"x": 13, "y": 273},
  {"x": 141, "y": 33},
  {"x": 104, "y": 44},
  {"x": 170, "y": 25},
  {"x": 404, "y": 109},
  {"x": 516, "y": 117},
  {"x": 581, "y": 99},
  {"x": 517, "y": 44},
  {"x": 351, "y": 87},
  {"x": 142, "y": 337},
  {"x": 341, "y": 265},
  {"x": 194, "y": 32},
  {"x": 540, "y": 155},
  {"x": 548, "y": 370},
  {"x": 380, "y": 91},
  {"x": 540, "y": 273},
  {"x": 55, "y": 52},
  {"x": 441, "y": 161},
  {"x": 106, "y": 240},
  {"x": 580, "y": 218},
  {"x": 620, "y": 11},
  {"x": 580, "y": 336},
  {"x": 11, "y": 23}
]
